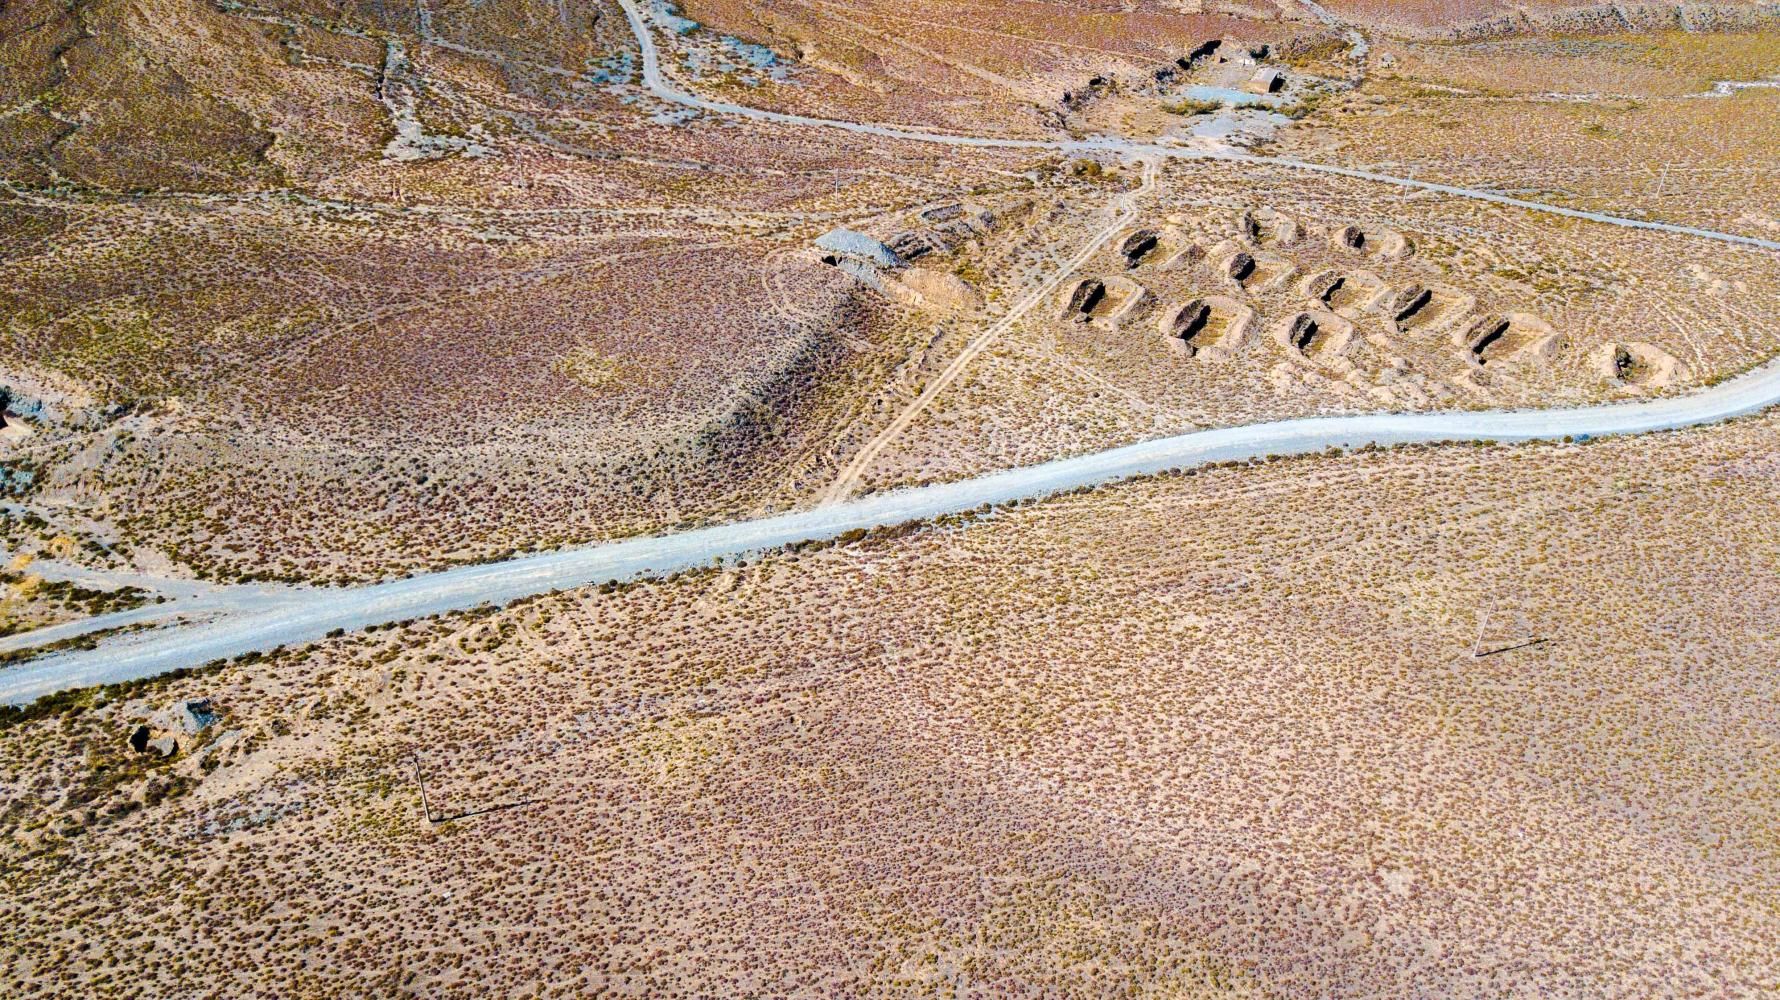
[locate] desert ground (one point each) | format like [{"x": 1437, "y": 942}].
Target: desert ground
[
  {"x": 1205, "y": 735},
  {"x": 381, "y": 292},
  {"x": 298, "y": 296}
]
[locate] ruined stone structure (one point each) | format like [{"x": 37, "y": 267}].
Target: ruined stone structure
[
  {"x": 1139, "y": 245},
  {"x": 1081, "y": 299}
]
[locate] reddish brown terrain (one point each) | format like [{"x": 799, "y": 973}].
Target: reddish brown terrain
[
  {"x": 1214, "y": 735},
  {"x": 297, "y": 295}
]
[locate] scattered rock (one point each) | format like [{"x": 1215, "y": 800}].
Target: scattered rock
[
  {"x": 1636, "y": 364},
  {"x": 189, "y": 717}
]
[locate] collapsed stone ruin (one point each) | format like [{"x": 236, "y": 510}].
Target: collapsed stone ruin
[
  {"x": 1186, "y": 321},
  {"x": 1315, "y": 332},
  {"x": 1432, "y": 308},
  {"x": 1318, "y": 287},
  {"x": 1105, "y": 301},
  {"x": 881, "y": 267},
  {"x": 1637, "y": 365},
  {"x": 1210, "y": 327},
  {"x": 945, "y": 229},
  {"x": 1267, "y": 227},
  {"x": 1344, "y": 320},
  {"x": 1375, "y": 242},
  {"x": 1238, "y": 266},
  {"x": 1139, "y": 245},
  {"x": 1345, "y": 291},
  {"x": 1082, "y": 298},
  {"x": 1614, "y": 18},
  {"x": 1405, "y": 302},
  {"x": 1252, "y": 271},
  {"x": 1496, "y": 338}
]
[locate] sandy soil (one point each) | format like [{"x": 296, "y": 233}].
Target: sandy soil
[{"x": 1214, "y": 735}]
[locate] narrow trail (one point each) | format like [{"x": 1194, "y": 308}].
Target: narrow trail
[{"x": 862, "y": 460}]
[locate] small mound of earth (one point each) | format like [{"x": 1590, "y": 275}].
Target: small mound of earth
[{"x": 941, "y": 290}]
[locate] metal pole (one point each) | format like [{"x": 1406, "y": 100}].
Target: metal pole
[{"x": 425, "y": 806}]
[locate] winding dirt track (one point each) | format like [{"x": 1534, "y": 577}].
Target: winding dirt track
[
  {"x": 658, "y": 85},
  {"x": 310, "y": 614}
]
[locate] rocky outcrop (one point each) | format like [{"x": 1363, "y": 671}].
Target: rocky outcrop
[
  {"x": 846, "y": 243},
  {"x": 943, "y": 229}
]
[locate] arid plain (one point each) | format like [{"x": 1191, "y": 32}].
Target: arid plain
[
  {"x": 1209, "y": 735},
  {"x": 298, "y": 296}
]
